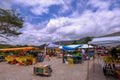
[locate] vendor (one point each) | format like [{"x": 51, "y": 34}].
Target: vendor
[
  {"x": 99, "y": 51},
  {"x": 47, "y": 56},
  {"x": 22, "y": 53},
  {"x": 83, "y": 53},
  {"x": 63, "y": 53},
  {"x": 114, "y": 52},
  {"x": 39, "y": 57}
]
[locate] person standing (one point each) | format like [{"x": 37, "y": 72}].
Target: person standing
[
  {"x": 47, "y": 56},
  {"x": 43, "y": 56},
  {"x": 22, "y": 53},
  {"x": 63, "y": 53},
  {"x": 39, "y": 57},
  {"x": 83, "y": 52}
]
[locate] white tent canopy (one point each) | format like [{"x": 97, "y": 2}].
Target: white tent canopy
[
  {"x": 109, "y": 39},
  {"x": 86, "y": 46},
  {"x": 52, "y": 45},
  {"x": 106, "y": 41}
]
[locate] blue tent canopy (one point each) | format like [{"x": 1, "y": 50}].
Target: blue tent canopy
[{"x": 71, "y": 48}]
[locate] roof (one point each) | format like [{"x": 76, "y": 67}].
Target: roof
[
  {"x": 53, "y": 45},
  {"x": 106, "y": 41},
  {"x": 21, "y": 48},
  {"x": 113, "y": 38}
]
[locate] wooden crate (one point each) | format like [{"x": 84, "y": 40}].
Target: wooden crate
[{"x": 42, "y": 70}]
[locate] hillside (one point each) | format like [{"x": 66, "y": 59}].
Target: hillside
[
  {"x": 112, "y": 34},
  {"x": 84, "y": 40},
  {"x": 79, "y": 41}
]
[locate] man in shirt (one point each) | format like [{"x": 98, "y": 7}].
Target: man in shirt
[{"x": 83, "y": 52}]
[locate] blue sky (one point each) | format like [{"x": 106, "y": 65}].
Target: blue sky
[{"x": 52, "y": 20}]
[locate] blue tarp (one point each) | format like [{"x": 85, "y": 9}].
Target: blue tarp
[{"x": 70, "y": 48}]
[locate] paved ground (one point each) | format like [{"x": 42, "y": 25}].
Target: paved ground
[{"x": 60, "y": 71}]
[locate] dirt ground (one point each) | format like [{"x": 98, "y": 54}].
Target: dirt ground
[{"x": 60, "y": 71}]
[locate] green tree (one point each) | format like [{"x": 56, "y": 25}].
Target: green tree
[
  {"x": 75, "y": 42},
  {"x": 10, "y": 23},
  {"x": 87, "y": 39}
]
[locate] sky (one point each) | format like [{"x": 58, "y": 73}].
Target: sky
[{"x": 47, "y": 21}]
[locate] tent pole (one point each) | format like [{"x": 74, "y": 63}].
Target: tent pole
[
  {"x": 45, "y": 48},
  {"x": 88, "y": 70},
  {"x": 88, "y": 65},
  {"x": 93, "y": 64}
]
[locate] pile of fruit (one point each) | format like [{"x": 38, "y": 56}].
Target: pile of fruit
[
  {"x": 21, "y": 60},
  {"x": 2, "y": 56},
  {"x": 111, "y": 59},
  {"x": 118, "y": 71}
]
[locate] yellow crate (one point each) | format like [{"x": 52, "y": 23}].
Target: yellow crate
[
  {"x": 70, "y": 62},
  {"x": 34, "y": 61}
]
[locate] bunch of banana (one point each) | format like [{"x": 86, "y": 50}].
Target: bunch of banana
[
  {"x": 111, "y": 59},
  {"x": 118, "y": 71},
  {"x": 117, "y": 60},
  {"x": 108, "y": 59}
]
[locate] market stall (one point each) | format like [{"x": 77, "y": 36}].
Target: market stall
[
  {"x": 18, "y": 49},
  {"x": 72, "y": 53},
  {"x": 21, "y": 60},
  {"x": 22, "y": 57},
  {"x": 52, "y": 49},
  {"x": 111, "y": 61},
  {"x": 110, "y": 64}
]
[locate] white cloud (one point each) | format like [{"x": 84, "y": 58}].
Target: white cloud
[
  {"x": 68, "y": 28},
  {"x": 65, "y": 6},
  {"x": 101, "y": 4},
  {"x": 32, "y": 36},
  {"x": 39, "y": 10},
  {"x": 38, "y": 7},
  {"x": 89, "y": 23}
]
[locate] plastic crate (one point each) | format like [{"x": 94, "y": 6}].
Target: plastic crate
[{"x": 70, "y": 62}]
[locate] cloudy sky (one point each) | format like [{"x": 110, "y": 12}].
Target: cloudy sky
[{"x": 53, "y": 20}]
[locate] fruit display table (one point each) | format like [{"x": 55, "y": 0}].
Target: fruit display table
[
  {"x": 110, "y": 65},
  {"x": 75, "y": 56},
  {"x": 21, "y": 60},
  {"x": 76, "y": 59}
]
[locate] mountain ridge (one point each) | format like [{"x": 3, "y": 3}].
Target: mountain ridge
[
  {"x": 112, "y": 34},
  {"x": 83, "y": 39}
]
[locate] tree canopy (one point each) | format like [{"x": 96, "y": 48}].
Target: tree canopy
[
  {"x": 84, "y": 41},
  {"x": 10, "y": 23}
]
